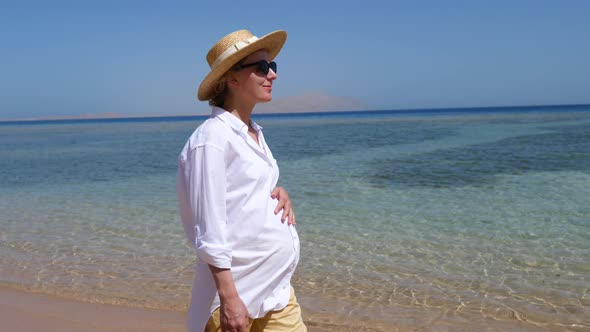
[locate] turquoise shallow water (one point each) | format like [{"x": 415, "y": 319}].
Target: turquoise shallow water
[{"x": 449, "y": 221}]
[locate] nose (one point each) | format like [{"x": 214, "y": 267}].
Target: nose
[{"x": 271, "y": 75}]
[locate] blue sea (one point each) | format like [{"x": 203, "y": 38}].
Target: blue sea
[{"x": 434, "y": 220}]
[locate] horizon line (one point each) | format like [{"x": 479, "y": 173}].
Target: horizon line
[{"x": 115, "y": 116}]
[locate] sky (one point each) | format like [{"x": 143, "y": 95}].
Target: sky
[{"x": 67, "y": 58}]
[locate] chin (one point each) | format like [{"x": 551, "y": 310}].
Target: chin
[{"x": 265, "y": 99}]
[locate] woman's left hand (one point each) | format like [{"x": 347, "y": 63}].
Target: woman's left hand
[{"x": 284, "y": 204}]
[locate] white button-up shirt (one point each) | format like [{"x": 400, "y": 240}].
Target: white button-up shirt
[{"x": 224, "y": 183}]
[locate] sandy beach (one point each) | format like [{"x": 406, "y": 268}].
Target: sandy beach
[{"x": 23, "y": 311}]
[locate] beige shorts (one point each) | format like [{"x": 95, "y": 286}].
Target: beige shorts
[{"x": 286, "y": 320}]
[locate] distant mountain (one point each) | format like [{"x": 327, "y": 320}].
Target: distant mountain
[{"x": 310, "y": 102}]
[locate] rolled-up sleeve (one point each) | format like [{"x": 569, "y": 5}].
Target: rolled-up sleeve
[{"x": 201, "y": 188}]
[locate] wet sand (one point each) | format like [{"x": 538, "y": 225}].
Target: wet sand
[{"x": 23, "y": 312}]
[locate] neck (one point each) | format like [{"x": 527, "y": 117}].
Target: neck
[{"x": 242, "y": 110}]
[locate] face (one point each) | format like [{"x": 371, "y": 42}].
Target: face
[{"x": 250, "y": 82}]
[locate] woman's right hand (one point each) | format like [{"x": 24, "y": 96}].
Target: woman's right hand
[{"x": 233, "y": 315}]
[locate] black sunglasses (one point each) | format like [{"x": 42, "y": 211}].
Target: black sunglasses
[{"x": 263, "y": 66}]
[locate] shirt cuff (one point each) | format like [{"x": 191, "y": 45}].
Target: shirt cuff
[{"x": 218, "y": 256}]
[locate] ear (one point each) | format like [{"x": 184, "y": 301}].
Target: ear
[{"x": 232, "y": 81}]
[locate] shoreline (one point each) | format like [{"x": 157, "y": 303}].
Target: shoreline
[
  {"x": 28, "y": 311},
  {"x": 23, "y": 310}
]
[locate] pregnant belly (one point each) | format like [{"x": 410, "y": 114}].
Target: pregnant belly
[{"x": 275, "y": 244}]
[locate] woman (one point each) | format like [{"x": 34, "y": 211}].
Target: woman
[{"x": 246, "y": 254}]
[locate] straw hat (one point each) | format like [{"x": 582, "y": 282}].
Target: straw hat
[{"x": 231, "y": 49}]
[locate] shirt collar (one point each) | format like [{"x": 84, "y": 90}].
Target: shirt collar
[{"x": 232, "y": 120}]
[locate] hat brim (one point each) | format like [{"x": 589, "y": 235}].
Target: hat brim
[{"x": 272, "y": 42}]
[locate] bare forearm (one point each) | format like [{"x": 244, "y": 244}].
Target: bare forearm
[
  {"x": 224, "y": 282},
  {"x": 233, "y": 312}
]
